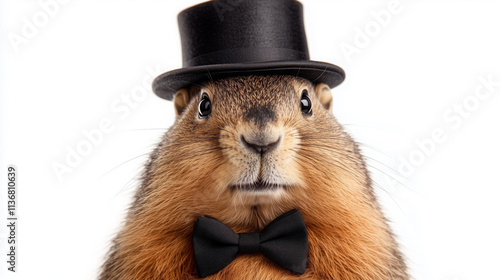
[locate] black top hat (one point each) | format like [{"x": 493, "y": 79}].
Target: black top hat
[{"x": 244, "y": 37}]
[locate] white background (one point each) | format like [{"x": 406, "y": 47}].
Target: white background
[{"x": 411, "y": 71}]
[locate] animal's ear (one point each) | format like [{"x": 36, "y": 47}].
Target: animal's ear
[
  {"x": 324, "y": 95},
  {"x": 181, "y": 100}
]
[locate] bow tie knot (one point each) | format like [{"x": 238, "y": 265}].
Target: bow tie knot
[
  {"x": 249, "y": 243},
  {"x": 283, "y": 241}
]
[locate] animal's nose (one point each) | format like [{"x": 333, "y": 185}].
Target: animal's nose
[{"x": 260, "y": 144}]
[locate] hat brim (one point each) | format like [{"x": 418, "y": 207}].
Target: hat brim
[{"x": 167, "y": 84}]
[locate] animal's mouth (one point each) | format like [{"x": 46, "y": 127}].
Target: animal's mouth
[{"x": 258, "y": 186}]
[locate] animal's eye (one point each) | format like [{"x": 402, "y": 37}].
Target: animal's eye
[
  {"x": 305, "y": 103},
  {"x": 204, "y": 107}
]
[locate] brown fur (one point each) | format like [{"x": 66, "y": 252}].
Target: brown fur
[{"x": 190, "y": 171}]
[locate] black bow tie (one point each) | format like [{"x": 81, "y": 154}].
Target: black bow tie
[{"x": 284, "y": 241}]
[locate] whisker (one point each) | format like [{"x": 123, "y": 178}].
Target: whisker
[
  {"x": 355, "y": 175},
  {"x": 391, "y": 169},
  {"x": 339, "y": 152},
  {"x": 126, "y": 186},
  {"x": 375, "y": 184},
  {"x": 121, "y": 164}
]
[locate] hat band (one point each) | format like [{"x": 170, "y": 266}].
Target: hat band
[{"x": 246, "y": 55}]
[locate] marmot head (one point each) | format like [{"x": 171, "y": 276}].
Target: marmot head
[{"x": 252, "y": 141}]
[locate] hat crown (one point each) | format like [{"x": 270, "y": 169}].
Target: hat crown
[{"x": 243, "y": 31}]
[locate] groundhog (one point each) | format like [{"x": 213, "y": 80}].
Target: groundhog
[{"x": 244, "y": 150}]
